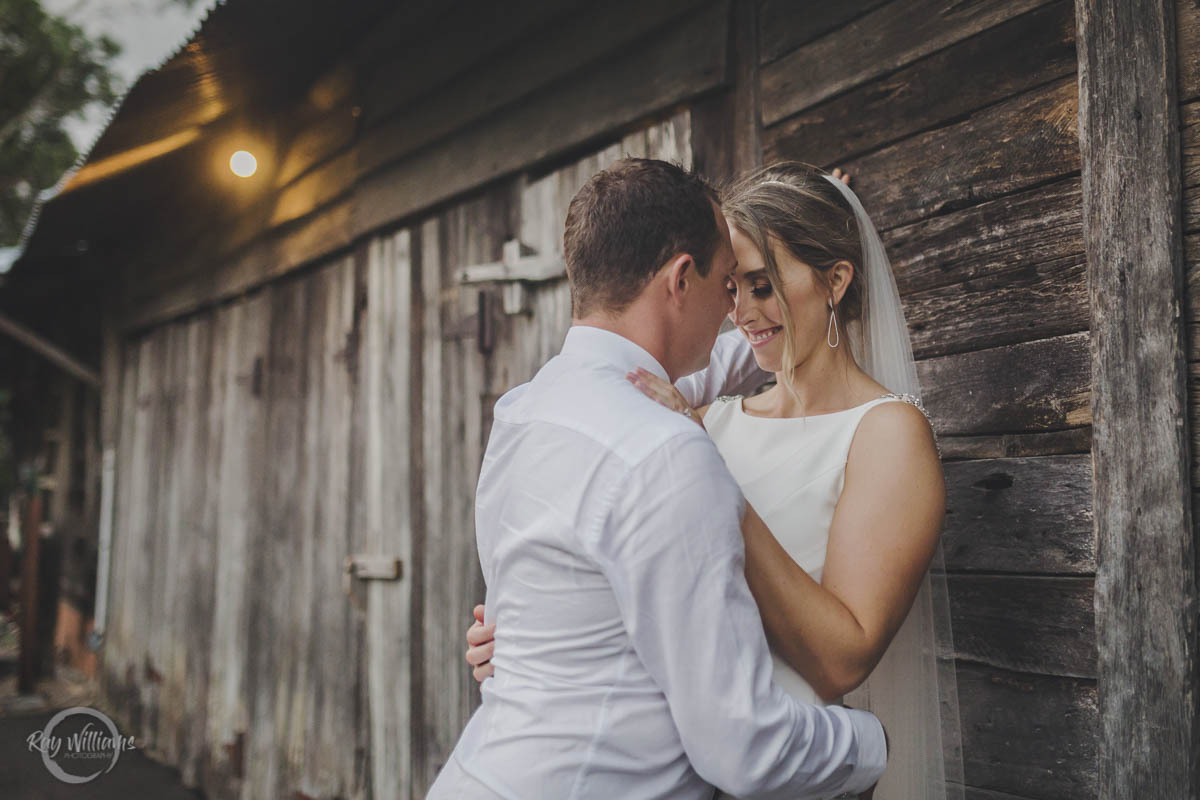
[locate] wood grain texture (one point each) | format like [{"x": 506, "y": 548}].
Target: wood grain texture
[
  {"x": 469, "y": 233},
  {"x": 1034, "y": 302},
  {"x": 1034, "y": 229},
  {"x": 1020, "y": 515},
  {"x": 1188, "y": 50},
  {"x": 1011, "y": 58},
  {"x": 687, "y": 61},
  {"x": 434, "y": 428},
  {"x": 1194, "y": 420},
  {"x": 725, "y": 126},
  {"x": 245, "y": 327},
  {"x": 1028, "y": 140},
  {"x": 1052, "y": 443},
  {"x": 1146, "y": 592},
  {"x": 1040, "y": 625},
  {"x": 786, "y": 25},
  {"x": 578, "y": 39},
  {"x": 337, "y": 767},
  {"x": 1189, "y": 134},
  {"x": 1028, "y": 735},
  {"x": 872, "y": 45},
  {"x": 1034, "y": 386},
  {"x": 389, "y": 521},
  {"x": 418, "y": 61}
]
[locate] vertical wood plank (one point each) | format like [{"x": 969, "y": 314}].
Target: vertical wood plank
[
  {"x": 178, "y": 429},
  {"x": 196, "y": 550},
  {"x": 142, "y": 599},
  {"x": 117, "y": 654},
  {"x": 1146, "y": 568},
  {"x": 336, "y": 767},
  {"x": 271, "y": 634},
  {"x": 304, "y": 735},
  {"x": 434, "y": 427},
  {"x": 389, "y": 521},
  {"x": 241, "y": 483}
]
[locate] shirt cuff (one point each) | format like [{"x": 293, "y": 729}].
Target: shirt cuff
[{"x": 872, "y": 752}]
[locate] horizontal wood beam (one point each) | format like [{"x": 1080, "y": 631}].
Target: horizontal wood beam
[
  {"x": 49, "y": 351},
  {"x": 1020, "y": 515},
  {"x": 1034, "y": 386},
  {"x": 1028, "y": 735},
  {"x": 875, "y": 44},
  {"x": 1146, "y": 592},
  {"x": 1014, "y": 57}
]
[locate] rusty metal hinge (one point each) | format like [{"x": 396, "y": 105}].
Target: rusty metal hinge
[{"x": 370, "y": 567}]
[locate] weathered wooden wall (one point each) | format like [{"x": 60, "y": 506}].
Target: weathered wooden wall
[
  {"x": 1188, "y": 78},
  {"x": 339, "y": 411},
  {"x": 277, "y": 416},
  {"x": 958, "y": 122}
]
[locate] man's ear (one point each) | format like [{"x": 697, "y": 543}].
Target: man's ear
[{"x": 679, "y": 274}]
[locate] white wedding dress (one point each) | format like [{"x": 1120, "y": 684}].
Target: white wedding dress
[{"x": 792, "y": 470}]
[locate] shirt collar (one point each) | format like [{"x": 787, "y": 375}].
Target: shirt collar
[{"x": 611, "y": 347}]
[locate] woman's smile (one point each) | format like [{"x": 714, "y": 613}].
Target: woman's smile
[{"x": 759, "y": 338}]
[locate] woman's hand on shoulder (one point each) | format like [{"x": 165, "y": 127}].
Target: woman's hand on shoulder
[
  {"x": 482, "y": 641},
  {"x": 665, "y": 394}
]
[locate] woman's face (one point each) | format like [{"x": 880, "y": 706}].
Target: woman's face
[{"x": 756, "y": 311}]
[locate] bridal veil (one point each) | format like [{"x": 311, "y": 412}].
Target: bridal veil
[{"x": 913, "y": 689}]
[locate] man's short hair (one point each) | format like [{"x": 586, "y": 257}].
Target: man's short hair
[{"x": 629, "y": 220}]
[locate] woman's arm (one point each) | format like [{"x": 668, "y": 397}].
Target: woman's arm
[{"x": 884, "y": 533}]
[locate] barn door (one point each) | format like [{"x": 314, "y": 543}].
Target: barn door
[{"x": 494, "y": 306}]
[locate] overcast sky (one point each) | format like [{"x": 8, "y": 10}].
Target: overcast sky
[{"x": 149, "y": 32}]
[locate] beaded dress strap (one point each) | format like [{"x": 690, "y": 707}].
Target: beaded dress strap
[{"x": 913, "y": 400}]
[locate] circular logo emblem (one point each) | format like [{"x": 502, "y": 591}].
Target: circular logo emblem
[{"x": 96, "y": 740}]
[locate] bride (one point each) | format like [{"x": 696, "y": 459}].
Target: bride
[{"x": 838, "y": 464}]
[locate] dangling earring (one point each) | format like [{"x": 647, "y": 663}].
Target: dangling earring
[{"x": 832, "y": 337}]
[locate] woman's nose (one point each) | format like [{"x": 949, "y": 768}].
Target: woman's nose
[{"x": 740, "y": 310}]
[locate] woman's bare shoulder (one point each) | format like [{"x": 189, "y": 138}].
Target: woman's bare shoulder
[{"x": 900, "y": 427}]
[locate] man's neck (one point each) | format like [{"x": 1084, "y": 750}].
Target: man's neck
[{"x": 646, "y": 331}]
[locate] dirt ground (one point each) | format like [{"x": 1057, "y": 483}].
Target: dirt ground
[{"x": 23, "y": 776}]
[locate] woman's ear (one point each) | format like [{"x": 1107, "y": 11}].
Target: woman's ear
[{"x": 841, "y": 274}]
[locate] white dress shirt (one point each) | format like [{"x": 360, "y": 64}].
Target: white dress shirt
[{"x": 630, "y": 659}]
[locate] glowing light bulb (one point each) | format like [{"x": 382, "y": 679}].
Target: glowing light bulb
[{"x": 243, "y": 164}]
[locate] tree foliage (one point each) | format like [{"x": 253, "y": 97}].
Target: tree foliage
[{"x": 49, "y": 70}]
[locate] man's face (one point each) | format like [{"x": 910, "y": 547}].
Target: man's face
[{"x": 711, "y": 301}]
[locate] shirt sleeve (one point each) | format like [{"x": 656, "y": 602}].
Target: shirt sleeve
[
  {"x": 731, "y": 370},
  {"x": 672, "y": 550}
]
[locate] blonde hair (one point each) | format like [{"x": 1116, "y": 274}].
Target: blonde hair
[{"x": 794, "y": 205}]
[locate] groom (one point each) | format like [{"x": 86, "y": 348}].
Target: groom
[{"x": 630, "y": 659}]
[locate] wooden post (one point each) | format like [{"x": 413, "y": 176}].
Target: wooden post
[
  {"x": 726, "y": 126},
  {"x": 30, "y": 650},
  {"x": 1146, "y": 601}
]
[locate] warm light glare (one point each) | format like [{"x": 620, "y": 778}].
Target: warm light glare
[{"x": 243, "y": 164}]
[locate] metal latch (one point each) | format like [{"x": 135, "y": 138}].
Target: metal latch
[{"x": 370, "y": 567}]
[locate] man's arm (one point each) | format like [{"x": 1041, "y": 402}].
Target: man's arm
[
  {"x": 673, "y": 552},
  {"x": 731, "y": 370}
]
